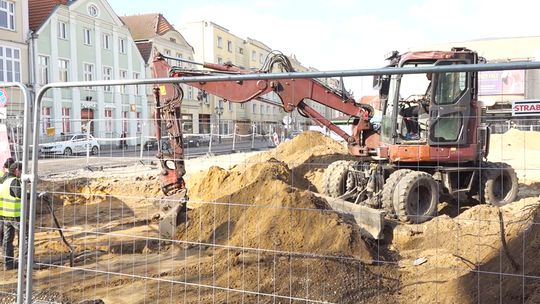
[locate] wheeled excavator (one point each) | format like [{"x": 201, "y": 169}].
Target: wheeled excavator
[{"x": 404, "y": 176}]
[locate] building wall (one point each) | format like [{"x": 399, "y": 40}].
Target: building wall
[
  {"x": 13, "y": 40},
  {"x": 119, "y": 57}
]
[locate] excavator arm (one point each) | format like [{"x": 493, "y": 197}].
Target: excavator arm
[{"x": 291, "y": 91}]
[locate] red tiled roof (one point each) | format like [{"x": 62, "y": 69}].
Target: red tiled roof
[
  {"x": 39, "y": 10},
  {"x": 146, "y": 50},
  {"x": 147, "y": 26}
]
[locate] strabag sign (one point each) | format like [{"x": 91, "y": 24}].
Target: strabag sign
[{"x": 526, "y": 108}]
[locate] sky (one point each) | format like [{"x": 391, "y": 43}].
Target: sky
[{"x": 334, "y": 35}]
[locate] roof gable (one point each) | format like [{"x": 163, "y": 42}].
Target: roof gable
[
  {"x": 39, "y": 11},
  {"x": 147, "y": 26}
]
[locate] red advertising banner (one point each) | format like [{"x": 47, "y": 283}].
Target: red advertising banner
[{"x": 501, "y": 82}]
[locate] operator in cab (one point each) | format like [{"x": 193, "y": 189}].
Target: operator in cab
[{"x": 410, "y": 114}]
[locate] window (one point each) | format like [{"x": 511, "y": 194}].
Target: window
[
  {"x": 207, "y": 99},
  {"x": 124, "y": 121},
  {"x": 66, "y": 127},
  {"x": 254, "y": 109},
  {"x": 46, "y": 119},
  {"x": 87, "y": 34},
  {"x": 173, "y": 40},
  {"x": 88, "y": 73},
  {"x": 62, "y": 30},
  {"x": 241, "y": 50},
  {"x": 168, "y": 53},
  {"x": 229, "y": 45},
  {"x": 122, "y": 45},
  {"x": 262, "y": 109},
  {"x": 10, "y": 64},
  {"x": 231, "y": 104},
  {"x": 123, "y": 75},
  {"x": 450, "y": 87},
  {"x": 254, "y": 56},
  {"x": 62, "y": 70},
  {"x": 136, "y": 76},
  {"x": 106, "y": 41},
  {"x": 219, "y": 42},
  {"x": 93, "y": 10},
  {"x": 107, "y": 75},
  {"x": 178, "y": 62},
  {"x": 189, "y": 92},
  {"x": 219, "y": 60},
  {"x": 268, "y": 110},
  {"x": 275, "y": 111},
  {"x": 43, "y": 68},
  {"x": 108, "y": 121},
  {"x": 7, "y": 15},
  {"x": 261, "y": 58}
]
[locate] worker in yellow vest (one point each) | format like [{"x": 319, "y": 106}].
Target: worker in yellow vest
[
  {"x": 3, "y": 176},
  {"x": 5, "y": 169},
  {"x": 10, "y": 199}
]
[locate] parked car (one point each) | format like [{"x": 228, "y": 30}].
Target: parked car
[
  {"x": 195, "y": 141},
  {"x": 152, "y": 144},
  {"x": 70, "y": 144}
]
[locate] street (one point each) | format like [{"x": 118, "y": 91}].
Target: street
[{"x": 112, "y": 156}]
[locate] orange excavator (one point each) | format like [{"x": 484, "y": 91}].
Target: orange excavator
[{"x": 402, "y": 173}]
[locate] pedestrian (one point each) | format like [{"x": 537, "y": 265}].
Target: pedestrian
[
  {"x": 10, "y": 200},
  {"x": 264, "y": 136},
  {"x": 123, "y": 141},
  {"x": 3, "y": 176}
]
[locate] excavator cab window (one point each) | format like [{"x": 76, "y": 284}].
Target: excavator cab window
[
  {"x": 450, "y": 86},
  {"x": 405, "y": 93},
  {"x": 452, "y": 106}
]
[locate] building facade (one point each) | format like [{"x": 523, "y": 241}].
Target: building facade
[
  {"x": 153, "y": 33},
  {"x": 214, "y": 43},
  {"x": 85, "y": 40},
  {"x": 14, "y": 34}
]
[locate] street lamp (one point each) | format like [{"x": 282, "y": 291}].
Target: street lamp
[{"x": 219, "y": 112}]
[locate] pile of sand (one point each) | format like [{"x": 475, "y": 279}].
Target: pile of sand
[{"x": 516, "y": 140}]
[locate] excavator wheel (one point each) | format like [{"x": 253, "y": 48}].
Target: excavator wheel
[
  {"x": 499, "y": 184},
  {"x": 387, "y": 196},
  {"x": 416, "y": 197},
  {"x": 337, "y": 178}
]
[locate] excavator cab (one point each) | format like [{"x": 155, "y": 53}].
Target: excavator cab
[{"x": 436, "y": 112}]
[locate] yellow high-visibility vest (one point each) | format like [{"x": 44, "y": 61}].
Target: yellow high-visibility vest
[{"x": 11, "y": 206}]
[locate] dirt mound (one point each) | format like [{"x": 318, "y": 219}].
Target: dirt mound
[
  {"x": 307, "y": 155},
  {"x": 260, "y": 209},
  {"x": 516, "y": 139}
]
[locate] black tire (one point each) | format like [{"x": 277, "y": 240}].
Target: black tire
[
  {"x": 95, "y": 150},
  {"x": 416, "y": 197},
  {"x": 68, "y": 152},
  {"x": 336, "y": 178},
  {"x": 387, "y": 195},
  {"x": 499, "y": 184}
]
